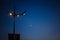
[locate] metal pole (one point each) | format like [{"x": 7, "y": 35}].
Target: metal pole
[{"x": 14, "y": 19}]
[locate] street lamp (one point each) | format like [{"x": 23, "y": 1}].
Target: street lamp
[
  {"x": 14, "y": 17},
  {"x": 15, "y": 36},
  {"x": 17, "y": 15}
]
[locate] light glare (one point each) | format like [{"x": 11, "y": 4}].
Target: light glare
[
  {"x": 24, "y": 14},
  {"x": 17, "y": 15},
  {"x": 10, "y": 14}
]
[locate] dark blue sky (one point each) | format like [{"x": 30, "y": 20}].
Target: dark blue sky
[{"x": 41, "y": 22}]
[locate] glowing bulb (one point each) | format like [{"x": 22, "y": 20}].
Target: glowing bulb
[
  {"x": 17, "y": 15},
  {"x": 24, "y": 14},
  {"x": 10, "y": 14}
]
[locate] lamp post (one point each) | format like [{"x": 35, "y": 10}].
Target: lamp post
[
  {"x": 14, "y": 36},
  {"x": 14, "y": 17}
]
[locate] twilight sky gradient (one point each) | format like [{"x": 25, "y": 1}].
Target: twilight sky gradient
[{"x": 41, "y": 22}]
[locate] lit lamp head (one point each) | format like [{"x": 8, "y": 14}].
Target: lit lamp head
[
  {"x": 17, "y": 15},
  {"x": 23, "y": 13},
  {"x": 10, "y": 14}
]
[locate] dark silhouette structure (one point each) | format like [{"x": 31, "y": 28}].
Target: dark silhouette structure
[{"x": 14, "y": 36}]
